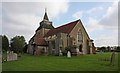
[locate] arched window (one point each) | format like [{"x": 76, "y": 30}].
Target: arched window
[{"x": 79, "y": 36}]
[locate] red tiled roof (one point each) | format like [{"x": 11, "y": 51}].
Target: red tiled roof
[
  {"x": 39, "y": 40},
  {"x": 67, "y": 28}
]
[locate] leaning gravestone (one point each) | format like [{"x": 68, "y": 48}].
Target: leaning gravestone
[
  {"x": 11, "y": 56},
  {"x": 112, "y": 60},
  {"x": 68, "y": 54}
]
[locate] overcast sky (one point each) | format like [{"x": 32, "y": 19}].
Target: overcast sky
[{"x": 100, "y": 19}]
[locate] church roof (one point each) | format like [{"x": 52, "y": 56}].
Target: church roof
[
  {"x": 67, "y": 28},
  {"x": 39, "y": 40}
]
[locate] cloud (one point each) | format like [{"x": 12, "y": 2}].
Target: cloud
[
  {"x": 94, "y": 10},
  {"x": 0, "y": 18},
  {"x": 119, "y": 23},
  {"x": 22, "y": 18},
  {"x": 78, "y": 14},
  {"x": 110, "y": 19},
  {"x": 59, "y": 0},
  {"x": 108, "y": 22},
  {"x": 34, "y": 0},
  {"x": 20, "y": 24},
  {"x": 93, "y": 25},
  {"x": 91, "y": 12},
  {"x": 53, "y": 8},
  {"x": 102, "y": 19},
  {"x": 106, "y": 40}
]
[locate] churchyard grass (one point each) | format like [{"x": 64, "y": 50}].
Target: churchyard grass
[{"x": 93, "y": 62}]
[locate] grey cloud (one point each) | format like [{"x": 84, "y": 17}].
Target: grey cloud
[
  {"x": 110, "y": 19},
  {"x": 22, "y": 18}
]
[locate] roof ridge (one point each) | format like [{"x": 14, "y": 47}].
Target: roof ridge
[
  {"x": 67, "y": 23},
  {"x": 64, "y": 28}
]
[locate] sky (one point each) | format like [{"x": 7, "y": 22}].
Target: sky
[{"x": 100, "y": 19}]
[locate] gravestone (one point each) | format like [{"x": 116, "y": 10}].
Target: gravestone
[
  {"x": 112, "y": 60},
  {"x": 11, "y": 56},
  {"x": 60, "y": 53},
  {"x": 68, "y": 54},
  {"x": 1, "y": 58},
  {"x": 78, "y": 52}
]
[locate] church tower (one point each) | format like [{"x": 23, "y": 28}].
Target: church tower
[{"x": 45, "y": 25}]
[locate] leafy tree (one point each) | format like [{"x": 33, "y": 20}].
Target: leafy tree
[
  {"x": 98, "y": 48},
  {"x": 118, "y": 49},
  {"x": 108, "y": 48},
  {"x": 103, "y": 48},
  {"x": 5, "y": 43},
  {"x": 17, "y": 44},
  {"x": 25, "y": 48}
]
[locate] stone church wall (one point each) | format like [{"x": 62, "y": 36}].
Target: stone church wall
[{"x": 85, "y": 37}]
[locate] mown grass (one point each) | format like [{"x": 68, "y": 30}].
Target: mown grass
[{"x": 94, "y": 62}]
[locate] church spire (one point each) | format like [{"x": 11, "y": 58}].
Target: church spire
[{"x": 45, "y": 16}]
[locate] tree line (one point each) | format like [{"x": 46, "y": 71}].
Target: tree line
[
  {"x": 16, "y": 44},
  {"x": 108, "y": 48}
]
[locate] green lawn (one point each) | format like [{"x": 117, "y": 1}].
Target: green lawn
[{"x": 92, "y": 62}]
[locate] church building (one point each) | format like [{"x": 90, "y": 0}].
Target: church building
[{"x": 71, "y": 36}]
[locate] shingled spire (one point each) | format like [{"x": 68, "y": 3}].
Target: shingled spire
[{"x": 45, "y": 16}]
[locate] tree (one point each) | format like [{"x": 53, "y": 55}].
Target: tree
[
  {"x": 103, "y": 48},
  {"x": 5, "y": 43},
  {"x": 118, "y": 49},
  {"x": 25, "y": 48},
  {"x": 17, "y": 44},
  {"x": 108, "y": 48}
]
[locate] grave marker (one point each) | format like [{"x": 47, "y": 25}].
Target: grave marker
[
  {"x": 11, "y": 56},
  {"x": 112, "y": 60},
  {"x": 68, "y": 54}
]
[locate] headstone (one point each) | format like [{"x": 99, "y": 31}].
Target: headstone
[
  {"x": 11, "y": 56},
  {"x": 77, "y": 50},
  {"x": 61, "y": 53},
  {"x": 68, "y": 54},
  {"x": 1, "y": 58},
  {"x": 112, "y": 58},
  {"x": 101, "y": 51},
  {"x": 14, "y": 56},
  {"x": 7, "y": 52}
]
